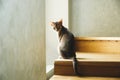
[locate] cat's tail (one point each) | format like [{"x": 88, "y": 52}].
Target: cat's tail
[{"x": 75, "y": 65}]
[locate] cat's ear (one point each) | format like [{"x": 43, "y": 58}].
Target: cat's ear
[
  {"x": 52, "y": 23},
  {"x": 60, "y": 21}
]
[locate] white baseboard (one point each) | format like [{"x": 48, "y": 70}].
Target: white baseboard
[{"x": 49, "y": 71}]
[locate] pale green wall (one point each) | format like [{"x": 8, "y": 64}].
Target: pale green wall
[
  {"x": 22, "y": 38},
  {"x": 95, "y": 17}
]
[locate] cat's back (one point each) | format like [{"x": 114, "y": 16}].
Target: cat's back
[
  {"x": 67, "y": 37},
  {"x": 67, "y": 44}
]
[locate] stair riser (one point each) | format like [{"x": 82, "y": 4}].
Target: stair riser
[{"x": 89, "y": 70}]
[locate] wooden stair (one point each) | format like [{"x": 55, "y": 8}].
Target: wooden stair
[
  {"x": 91, "y": 65},
  {"x": 69, "y": 77},
  {"x": 98, "y": 59}
]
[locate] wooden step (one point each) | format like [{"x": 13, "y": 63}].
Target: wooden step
[
  {"x": 63, "y": 77},
  {"x": 90, "y": 64},
  {"x": 98, "y": 44}
]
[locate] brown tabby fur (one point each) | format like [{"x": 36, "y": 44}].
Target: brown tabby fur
[{"x": 66, "y": 43}]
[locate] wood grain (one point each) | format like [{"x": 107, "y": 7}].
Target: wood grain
[
  {"x": 98, "y": 44},
  {"x": 97, "y": 57},
  {"x": 89, "y": 67},
  {"x": 68, "y": 77}
]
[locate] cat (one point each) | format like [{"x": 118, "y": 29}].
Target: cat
[{"x": 66, "y": 43}]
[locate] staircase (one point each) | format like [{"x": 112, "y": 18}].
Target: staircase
[{"x": 98, "y": 59}]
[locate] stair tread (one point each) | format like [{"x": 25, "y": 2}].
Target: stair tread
[
  {"x": 81, "y": 56},
  {"x": 68, "y": 77}
]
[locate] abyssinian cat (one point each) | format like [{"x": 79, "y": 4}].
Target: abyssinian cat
[{"x": 66, "y": 43}]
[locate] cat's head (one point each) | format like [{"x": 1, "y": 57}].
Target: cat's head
[{"x": 57, "y": 25}]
